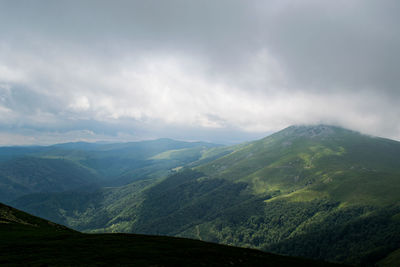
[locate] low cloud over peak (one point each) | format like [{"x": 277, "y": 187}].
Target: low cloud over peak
[{"x": 223, "y": 71}]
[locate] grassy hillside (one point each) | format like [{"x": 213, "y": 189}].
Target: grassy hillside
[
  {"x": 308, "y": 162},
  {"x": 28, "y": 240},
  {"x": 321, "y": 192}
]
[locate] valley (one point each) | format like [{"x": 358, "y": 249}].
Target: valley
[{"x": 285, "y": 193}]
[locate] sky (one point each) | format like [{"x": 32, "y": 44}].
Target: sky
[{"x": 219, "y": 71}]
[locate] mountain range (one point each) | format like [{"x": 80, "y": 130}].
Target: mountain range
[{"x": 320, "y": 192}]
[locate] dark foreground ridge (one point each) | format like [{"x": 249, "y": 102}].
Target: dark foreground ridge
[{"x": 28, "y": 240}]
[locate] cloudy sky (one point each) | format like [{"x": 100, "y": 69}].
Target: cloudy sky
[{"x": 221, "y": 71}]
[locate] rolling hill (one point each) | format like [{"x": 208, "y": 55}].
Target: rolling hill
[
  {"x": 320, "y": 192},
  {"x": 28, "y": 240},
  {"x": 86, "y": 166},
  {"x": 121, "y": 163}
]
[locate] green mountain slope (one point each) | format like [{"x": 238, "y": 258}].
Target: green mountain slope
[
  {"x": 28, "y": 240},
  {"x": 316, "y": 162},
  {"x": 106, "y": 208},
  {"x": 287, "y": 192},
  {"x": 321, "y": 192},
  {"x": 122, "y": 163},
  {"x": 27, "y": 175},
  {"x": 74, "y": 166}
]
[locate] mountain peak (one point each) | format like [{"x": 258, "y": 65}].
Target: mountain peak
[{"x": 312, "y": 131}]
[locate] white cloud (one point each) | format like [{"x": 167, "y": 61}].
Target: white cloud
[
  {"x": 80, "y": 103},
  {"x": 253, "y": 67}
]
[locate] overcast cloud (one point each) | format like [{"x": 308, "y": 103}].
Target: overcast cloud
[{"x": 221, "y": 71}]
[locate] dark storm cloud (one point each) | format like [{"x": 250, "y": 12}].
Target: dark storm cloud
[{"x": 109, "y": 68}]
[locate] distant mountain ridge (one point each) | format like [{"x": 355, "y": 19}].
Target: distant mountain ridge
[{"x": 85, "y": 166}]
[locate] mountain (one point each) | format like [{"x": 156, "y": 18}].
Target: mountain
[
  {"x": 122, "y": 163},
  {"x": 320, "y": 192},
  {"x": 28, "y": 240},
  {"x": 11, "y": 152},
  {"x": 314, "y": 162},
  {"x": 84, "y": 166},
  {"x": 26, "y": 175}
]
